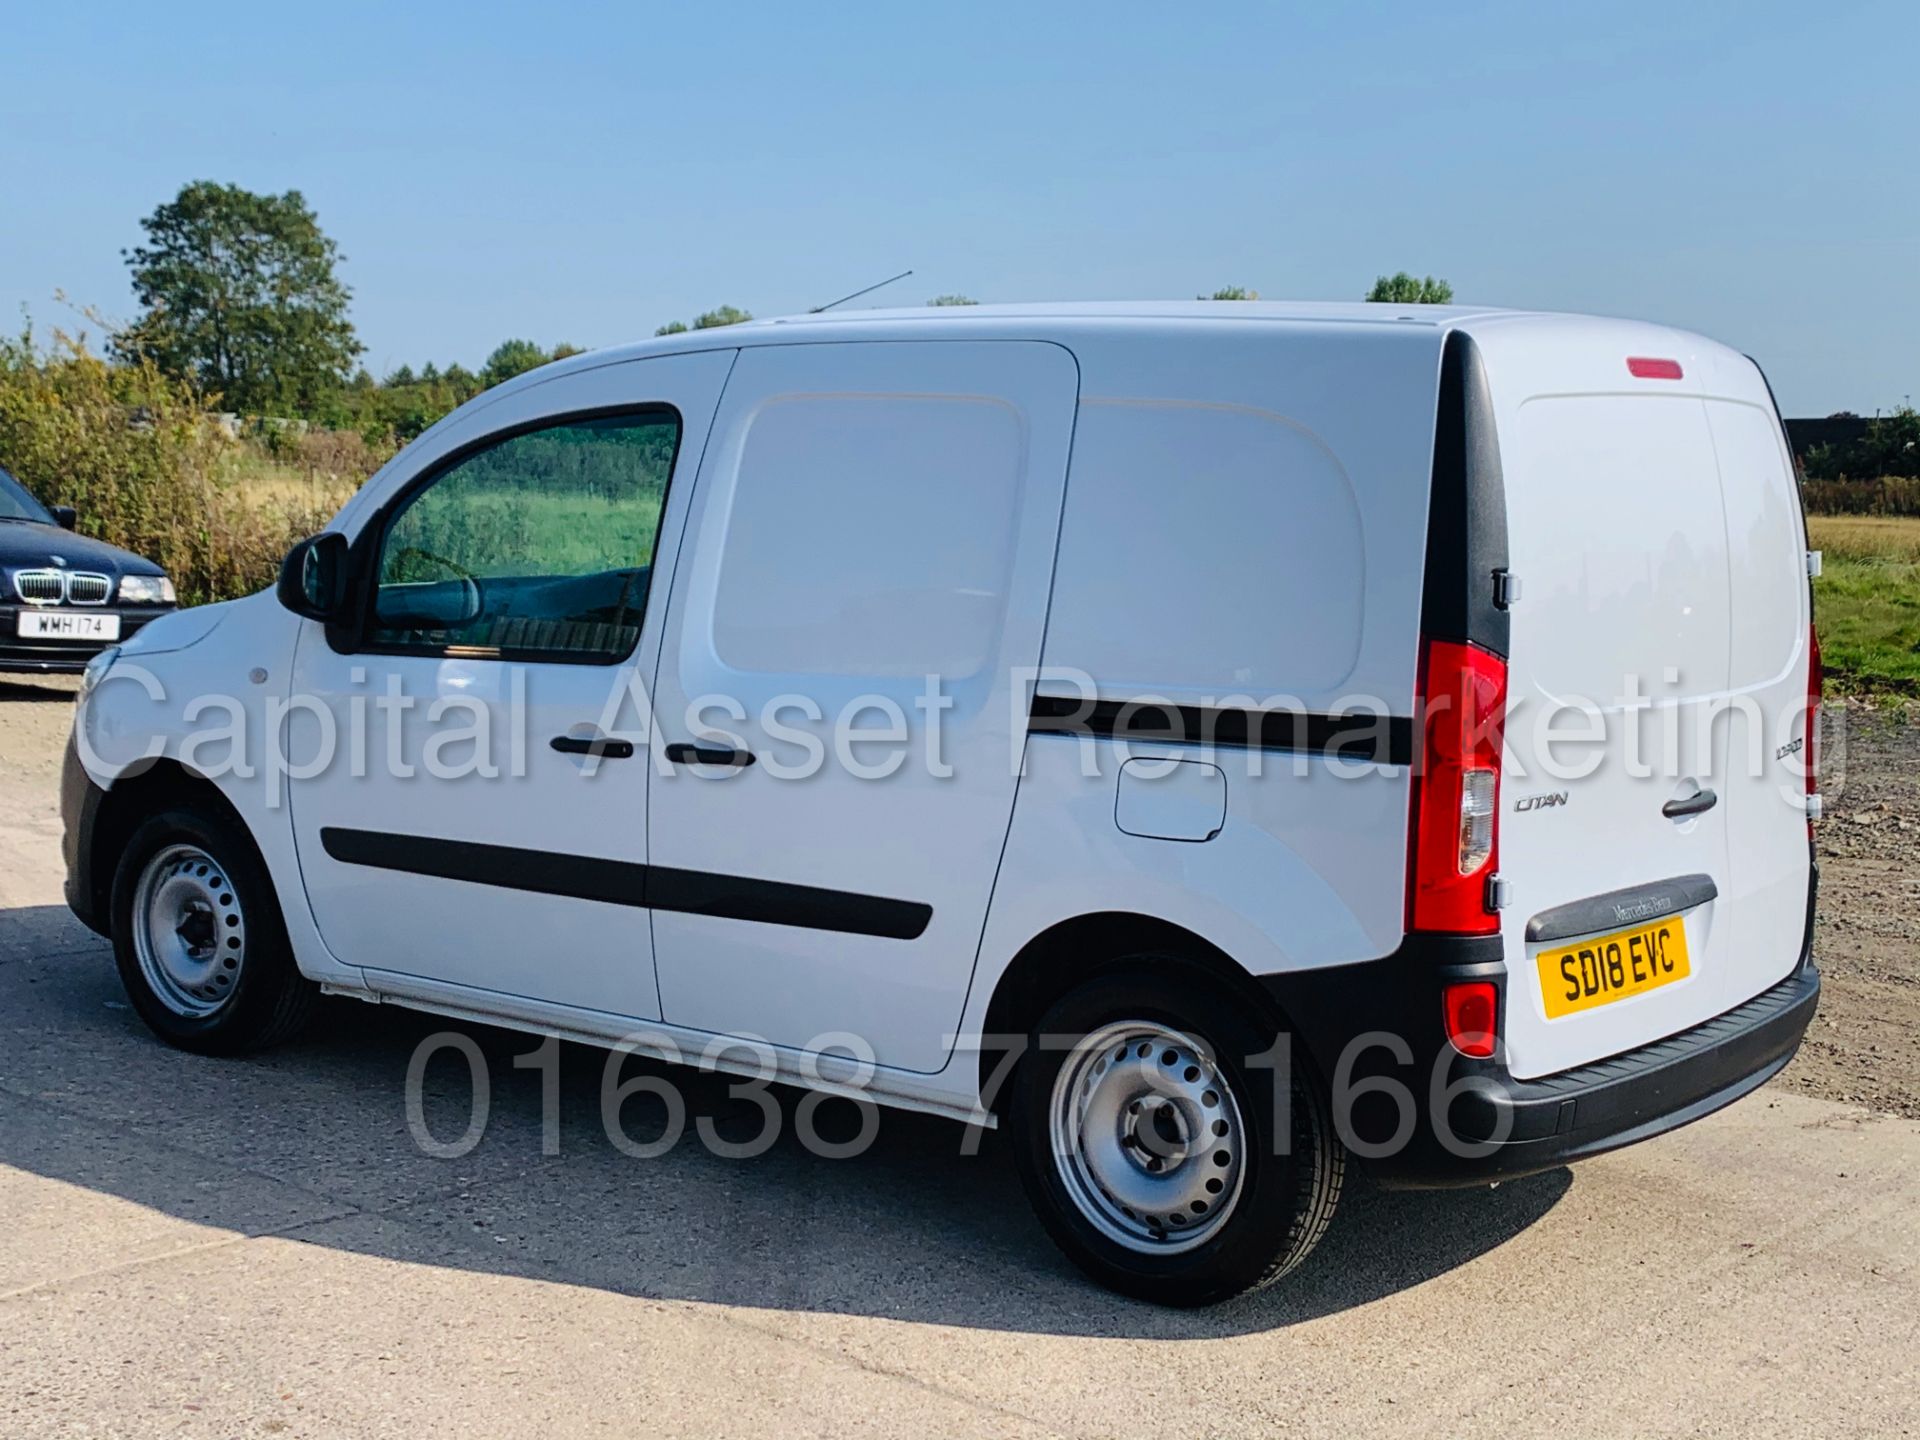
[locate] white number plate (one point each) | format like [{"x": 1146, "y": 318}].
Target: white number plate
[{"x": 68, "y": 625}]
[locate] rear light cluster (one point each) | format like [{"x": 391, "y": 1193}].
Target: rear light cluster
[
  {"x": 1472, "y": 1010},
  {"x": 1816, "y": 675},
  {"x": 1456, "y": 795}
]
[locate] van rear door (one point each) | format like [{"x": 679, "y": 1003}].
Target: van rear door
[
  {"x": 1612, "y": 808},
  {"x": 1764, "y": 740}
]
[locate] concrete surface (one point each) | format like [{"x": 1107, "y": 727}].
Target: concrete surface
[{"x": 257, "y": 1247}]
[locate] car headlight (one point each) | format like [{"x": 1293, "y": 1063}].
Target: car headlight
[
  {"x": 97, "y": 669},
  {"x": 146, "y": 590}
]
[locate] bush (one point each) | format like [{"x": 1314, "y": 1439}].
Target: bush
[
  {"x": 147, "y": 466},
  {"x": 1888, "y": 446},
  {"x": 1887, "y": 495}
]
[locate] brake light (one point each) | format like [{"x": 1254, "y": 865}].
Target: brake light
[
  {"x": 1456, "y": 794},
  {"x": 1646, "y": 367},
  {"x": 1471, "y": 1009},
  {"x": 1816, "y": 676}
]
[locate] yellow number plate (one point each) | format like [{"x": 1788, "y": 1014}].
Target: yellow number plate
[{"x": 1612, "y": 967}]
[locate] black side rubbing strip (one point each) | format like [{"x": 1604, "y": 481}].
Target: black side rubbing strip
[
  {"x": 1622, "y": 907},
  {"x": 774, "y": 902},
  {"x": 1384, "y": 739},
  {"x": 1467, "y": 524},
  {"x": 581, "y": 877},
  {"x": 621, "y": 882}
]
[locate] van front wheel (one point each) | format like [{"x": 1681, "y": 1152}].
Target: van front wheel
[
  {"x": 1169, "y": 1146},
  {"x": 198, "y": 938}
]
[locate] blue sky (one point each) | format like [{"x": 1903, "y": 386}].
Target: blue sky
[{"x": 586, "y": 173}]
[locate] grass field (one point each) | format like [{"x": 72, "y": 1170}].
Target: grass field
[
  {"x": 291, "y": 487},
  {"x": 536, "y": 533},
  {"x": 1867, "y": 601}
]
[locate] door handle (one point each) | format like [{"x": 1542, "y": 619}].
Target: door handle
[
  {"x": 1693, "y": 805},
  {"x": 685, "y": 752},
  {"x": 595, "y": 745}
]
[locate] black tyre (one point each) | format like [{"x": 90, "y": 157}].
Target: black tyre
[
  {"x": 1161, "y": 1148},
  {"x": 198, "y": 936}
]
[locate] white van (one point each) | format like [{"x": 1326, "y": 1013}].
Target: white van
[{"x": 1211, "y": 741}]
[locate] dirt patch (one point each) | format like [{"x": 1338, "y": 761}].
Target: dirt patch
[
  {"x": 35, "y": 715},
  {"x": 1864, "y": 1046}
]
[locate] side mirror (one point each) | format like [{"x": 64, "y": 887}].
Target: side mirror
[
  {"x": 65, "y": 516},
  {"x": 313, "y": 577}
]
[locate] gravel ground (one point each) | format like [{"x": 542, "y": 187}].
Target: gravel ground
[
  {"x": 35, "y": 716},
  {"x": 1865, "y": 1046}
]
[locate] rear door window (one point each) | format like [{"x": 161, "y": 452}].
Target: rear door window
[{"x": 1616, "y": 527}]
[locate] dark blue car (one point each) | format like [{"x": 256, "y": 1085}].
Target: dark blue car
[{"x": 63, "y": 597}]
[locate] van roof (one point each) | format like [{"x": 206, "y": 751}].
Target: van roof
[
  {"x": 1322, "y": 310},
  {"x": 1034, "y": 319}
]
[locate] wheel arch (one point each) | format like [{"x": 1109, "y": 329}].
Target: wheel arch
[
  {"x": 1070, "y": 951},
  {"x": 140, "y": 792}
]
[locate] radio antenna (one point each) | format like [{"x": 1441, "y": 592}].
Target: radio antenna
[{"x": 858, "y": 293}]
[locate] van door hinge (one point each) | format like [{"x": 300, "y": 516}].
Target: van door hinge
[
  {"x": 1813, "y": 564},
  {"x": 1506, "y": 589}
]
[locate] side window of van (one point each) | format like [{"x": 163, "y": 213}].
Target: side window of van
[{"x": 538, "y": 546}]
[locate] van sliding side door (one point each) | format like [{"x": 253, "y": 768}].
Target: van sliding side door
[{"x": 870, "y": 550}]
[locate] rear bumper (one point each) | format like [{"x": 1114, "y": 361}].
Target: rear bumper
[
  {"x": 1519, "y": 1127},
  {"x": 1450, "y": 1121}
]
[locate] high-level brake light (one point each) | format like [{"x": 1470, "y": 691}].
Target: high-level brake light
[{"x": 1647, "y": 367}]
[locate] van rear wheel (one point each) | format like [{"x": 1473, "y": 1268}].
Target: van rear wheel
[
  {"x": 198, "y": 937},
  {"x": 1158, "y": 1145}
]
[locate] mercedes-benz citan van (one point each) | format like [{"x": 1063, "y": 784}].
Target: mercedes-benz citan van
[{"x": 1218, "y": 744}]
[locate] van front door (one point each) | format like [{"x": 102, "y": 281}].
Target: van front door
[
  {"x": 470, "y": 807},
  {"x": 839, "y": 708}
]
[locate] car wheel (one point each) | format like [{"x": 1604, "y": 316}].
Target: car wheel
[
  {"x": 1159, "y": 1146},
  {"x": 199, "y": 940}
]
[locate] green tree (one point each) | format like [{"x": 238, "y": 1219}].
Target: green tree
[
  {"x": 1231, "y": 292},
  {"x": 713, "y": 319},
  {"x": 952, "y": 300},
  {"x": 1893, "y": 442},
  {"x": 239, "y": 295},
  {"x": 1888, "y": 446},
  {"x": 1404, "y": 289},
  {"x": 725, "y": 315},
  {"x": 511, "y": 358}
]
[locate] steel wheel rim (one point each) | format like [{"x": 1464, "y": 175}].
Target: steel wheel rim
[
  {"x": 1148, "y": 1137},
  {"x": 189, "y": 932}
]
